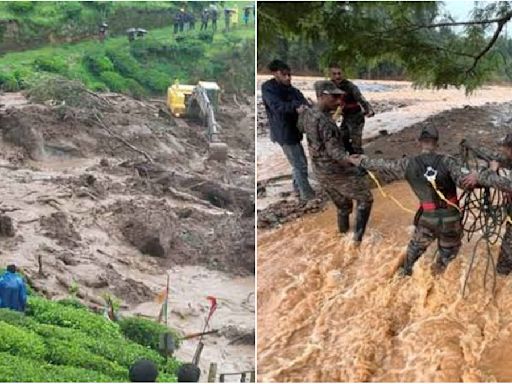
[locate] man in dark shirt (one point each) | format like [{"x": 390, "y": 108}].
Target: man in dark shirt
[
  {"x": 283, "y": 103},
  {"x": 354, "y": 110}
]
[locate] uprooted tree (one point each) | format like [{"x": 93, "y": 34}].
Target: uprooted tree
[{"x": 431, "y": 47}]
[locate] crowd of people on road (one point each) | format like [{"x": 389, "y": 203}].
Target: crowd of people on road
[
  {"x": 333, "y": 126},
  {"x": 184, "y": 21}
]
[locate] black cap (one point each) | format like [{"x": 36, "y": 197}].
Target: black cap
[
  {"x": 188, "y": 373},
  {"x": 429, "y": 133},
  {"x": 11, "y": 268},
  {"x": 327, "y": 87},
  {"x": 143, "y": 371}
]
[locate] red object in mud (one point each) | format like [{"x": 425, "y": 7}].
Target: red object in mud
[{"x": 213, "y": 307}]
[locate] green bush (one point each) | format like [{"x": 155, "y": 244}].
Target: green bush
[
  {"x": 114, "y": 81},
  {"x": 70, "y": 352},
  {"x": 135, "y": 89},
  {"x": 72, "y": 302},
  {"x": 71, "y": 9},
  {"x": 48, "y": 312},
  {"x": 117, "y": 350},
  {"x": 54, "y": 64},
  {"x": 145, "y": 332},
  {"x": 98, "y": 86},
  {"x": 8, "y": 82},
  {"x": 17, "y": 319},
  {"x": 97, "y": 63},
  {"x": 124, "y": 63},
  {"x": 17, "y": 369},
  {"x": 155, "y": 80},
  {"x": 21, "y": 342},
  {"x": 20, "y": 6}
]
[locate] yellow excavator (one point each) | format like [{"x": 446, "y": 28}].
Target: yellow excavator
[{"x": 199, "y": 101}]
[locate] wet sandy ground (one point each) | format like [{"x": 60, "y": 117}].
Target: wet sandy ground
[{"x": 330, "y": 312}]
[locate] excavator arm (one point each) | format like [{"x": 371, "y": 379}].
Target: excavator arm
[{"x": 199, "y": 105}]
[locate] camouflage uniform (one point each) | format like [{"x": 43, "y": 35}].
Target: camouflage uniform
[
  {"x": 353, "y": 114},
  {"x": 435, "y": 219},
  {"x": 488, "y": 178},
  {"x": 340, "y": 179}
]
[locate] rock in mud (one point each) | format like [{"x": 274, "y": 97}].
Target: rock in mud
[
  {"x": 238, "y": 335},
  {"x": 57, "y": 226},
  {"x": 68, "y": 258},
  {"x": 6, "y": 226},
  {"x": 147, "y": 238},
  {"x": 21, "y": 131}
]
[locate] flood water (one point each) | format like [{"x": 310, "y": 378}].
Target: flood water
[{"x": 330, "y": 312}]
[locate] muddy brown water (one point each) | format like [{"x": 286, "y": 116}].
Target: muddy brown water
[{"x": 330, "y": 312}]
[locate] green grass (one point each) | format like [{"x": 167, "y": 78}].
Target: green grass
[
  {"x": 155, "y": 62},
  {"x": 63, "y": 342}
]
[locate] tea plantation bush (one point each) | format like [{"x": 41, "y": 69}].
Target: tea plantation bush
[
  {"x": 145, "y": 332},
  {"x": 63, "y": 341}
]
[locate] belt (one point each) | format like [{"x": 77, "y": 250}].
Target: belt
[{"x": 431, "y": 206}]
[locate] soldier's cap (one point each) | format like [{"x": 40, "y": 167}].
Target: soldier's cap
[
  {"x": 507, "y": 140},
  {"x": 327, "y": 87},
  {"x": 429, "y": 133}
]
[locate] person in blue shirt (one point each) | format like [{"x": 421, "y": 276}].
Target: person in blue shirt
[{"x": 13, "y": 293}]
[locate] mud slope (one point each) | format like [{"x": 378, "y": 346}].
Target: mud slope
[{"x": 111, "y": 205}]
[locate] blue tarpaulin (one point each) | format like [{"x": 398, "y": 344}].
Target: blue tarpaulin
[{"x": 13, "y": 294}]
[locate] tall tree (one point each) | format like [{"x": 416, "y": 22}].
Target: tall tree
[{"x": 434, "y": 50}]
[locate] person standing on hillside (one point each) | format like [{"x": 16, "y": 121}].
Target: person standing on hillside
[
  {"x": 247, "y": 14},
  {"x": 13, "y": 293},
  {"x": 227, "y": 18},
  {"x": 191, "y": 21},
  {"x": 214, "y": 15},
  {"x": 283, "y": 103},
  {"x": 182, "y": 19},
  {"x": 354, "y": 110},
  {"x": 103, "y": 32},
  {"x": 204, "y": 19},
  {"x": 176, "y": 22}
]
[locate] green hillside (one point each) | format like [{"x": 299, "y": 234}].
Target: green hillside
[
  {"x": 143, "y": 67},
  {"x": 65, "y": 342}
]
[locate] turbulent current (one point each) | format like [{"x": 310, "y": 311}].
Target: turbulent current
[{"x": 330, "y": 312}]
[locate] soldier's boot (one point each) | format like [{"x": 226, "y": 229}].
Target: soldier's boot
[
  {"x": 443, "y": 259},
  {"x": 363, "y": 214},
  {"x": 413, "y": 254},
  {"x": 504, "y": 264},
  {"x": 343, "y": 222}
]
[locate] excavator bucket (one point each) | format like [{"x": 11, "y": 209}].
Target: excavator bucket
[{"x": 218, "y": 151}]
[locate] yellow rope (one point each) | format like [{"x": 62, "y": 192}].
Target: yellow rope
[
  {"x": 374, "y": 178},
  {"x": 442, "y": 196}
]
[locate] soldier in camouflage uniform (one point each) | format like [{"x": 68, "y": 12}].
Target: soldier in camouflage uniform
[
  {"x": 436, "y": 219},
  {"x": 354, "y": 110},
  {"x": 339, "y": 178},
  {"x": 490, "y": 178}
]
